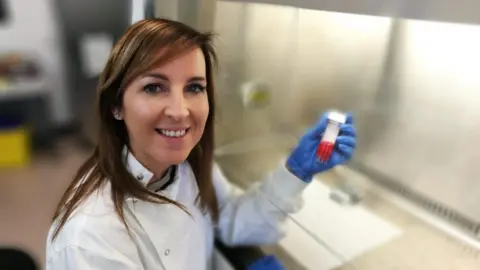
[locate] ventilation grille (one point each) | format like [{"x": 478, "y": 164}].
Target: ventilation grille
[{"x": 455, "y": 218}]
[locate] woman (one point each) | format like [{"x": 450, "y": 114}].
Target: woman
[{"x": 150, "y": 196}]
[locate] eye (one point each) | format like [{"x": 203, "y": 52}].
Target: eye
[
  {"x": 153, "y": 88},
  {"x": 196, "y": 88}
]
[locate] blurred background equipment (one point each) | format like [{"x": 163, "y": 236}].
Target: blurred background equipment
[
  {"x": 23, "y": 95},
  {"x": 4, "y": 12},
  {"x": 15, "y": 259},
  {"x": 255, "y": 94},
  {"x": 14, "y": 142},
  {"x": 89, "y": 29},
  {"x": 18, "y": 67}
]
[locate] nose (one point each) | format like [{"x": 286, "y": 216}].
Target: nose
[{"x": 177, "y": 107}]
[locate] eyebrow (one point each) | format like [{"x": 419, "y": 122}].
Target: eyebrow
[{"x": 163, "y": 77}]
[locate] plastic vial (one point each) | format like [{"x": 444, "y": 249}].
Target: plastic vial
[{"x": 327, "y": 144}]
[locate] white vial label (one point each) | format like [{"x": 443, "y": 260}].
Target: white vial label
[{"x": 331, "y": 132}]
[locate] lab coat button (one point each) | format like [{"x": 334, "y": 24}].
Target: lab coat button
[
  {"x": 167, "y": 251},
  {"x": 139, "y": 176}
]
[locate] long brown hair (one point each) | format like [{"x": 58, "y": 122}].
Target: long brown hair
[{"x": 134, "y": 54}]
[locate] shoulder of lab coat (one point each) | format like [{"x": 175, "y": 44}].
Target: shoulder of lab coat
[
  {"x": 94, "y": 235},
  {"x": 257, "y": 216}
]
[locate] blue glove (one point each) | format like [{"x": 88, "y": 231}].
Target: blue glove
[
  {"x": 303, "y": 161},
  {"x": 267, "y": 263}
]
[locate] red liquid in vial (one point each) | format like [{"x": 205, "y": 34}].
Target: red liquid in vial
[{"x": 324, "y": 150}]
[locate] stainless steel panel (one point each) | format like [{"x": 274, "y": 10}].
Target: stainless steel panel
[
  {"x": 430, "y": 142},
  {"x": 197, "y": 13}
]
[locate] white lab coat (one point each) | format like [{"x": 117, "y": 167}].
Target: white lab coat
[{"x": 163, "y": 236}]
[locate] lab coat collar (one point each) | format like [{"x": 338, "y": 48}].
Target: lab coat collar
[
  {"x": 143, "y": 175},
  {"x": 136, "y": 168}
]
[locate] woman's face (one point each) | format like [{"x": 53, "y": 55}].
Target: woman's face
[{"x": 165, "y": 111}]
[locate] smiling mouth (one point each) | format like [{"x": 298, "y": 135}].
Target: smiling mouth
[{"x": 179, "y": 133}]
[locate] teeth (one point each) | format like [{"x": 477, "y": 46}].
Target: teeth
[{"x": 173, "y": 133}]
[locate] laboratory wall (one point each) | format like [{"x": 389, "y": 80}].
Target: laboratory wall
[
  {"x": 412, "y": 85},
  {"x": 32, "y": 29}
]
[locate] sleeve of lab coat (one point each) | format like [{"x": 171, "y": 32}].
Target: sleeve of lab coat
[
  {"x": 77, "y": 258},
  {"x": 256, "y": 216}
]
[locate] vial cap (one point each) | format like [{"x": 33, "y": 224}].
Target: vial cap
[{"x": 337, "y": 116}]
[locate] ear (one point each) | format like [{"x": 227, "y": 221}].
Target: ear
[{"x": 117, "y": 114}]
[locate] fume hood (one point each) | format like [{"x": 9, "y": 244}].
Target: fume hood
[
  {"x": 407, "y": 69},
  {"x": 403, "y": 78}
]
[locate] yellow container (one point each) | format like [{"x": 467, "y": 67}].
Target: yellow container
[{"x": 14, "y": 147}]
